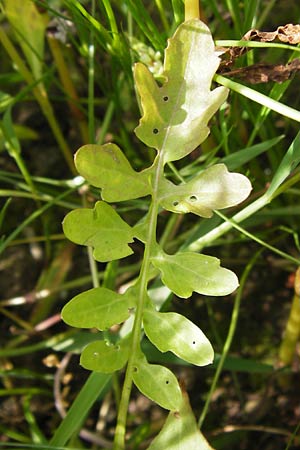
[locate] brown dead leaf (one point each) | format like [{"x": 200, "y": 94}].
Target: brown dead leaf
[
  {"x": 263, "y": 73},
  {"x": 287, "y": 33}
]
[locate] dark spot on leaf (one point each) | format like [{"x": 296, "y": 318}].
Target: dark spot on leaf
[
  {"x": 166, "y": 98},
  {"x": 135, "y": 369},
  {"x": 194, "y": 342},
  {"x": 155, "y": 130},
  {"x": 167, "y": 381},
  {"x": 193, "y": 198},
  {"x": 175, "y": 203}
]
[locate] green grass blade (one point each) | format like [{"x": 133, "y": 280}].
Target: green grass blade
[
  {"x": 245, "y": 155},
  {"x": 146, "y": 24},
  {"x": 250, "y": 11},
  {"x": 37, "y": 213},
  {"x": 89, "y": 394},
  {"x": 230, "y": 335},
  {"x": 290, "y": 161},
  {"x": 234, "y": 9},
  {"x": 35, "y": 431},
  {"x": 257, "y": 97},
  {"x": 82, "y": 17},
  {"x": 4, "y": 211},
  {"x": 15, "y": 446},
  {"x": 288, "y": 164},
  {"x": 255, "y": 44}
]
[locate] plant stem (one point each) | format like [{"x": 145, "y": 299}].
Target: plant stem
[
  {"x": 91, "y": 132},
  {"x": 191, "y": 9},
  {"x": 119, "y": 442}
]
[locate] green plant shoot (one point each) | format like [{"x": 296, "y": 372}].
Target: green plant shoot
[{"x": 174, "y": 122}]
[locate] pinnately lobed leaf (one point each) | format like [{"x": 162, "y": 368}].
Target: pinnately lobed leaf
[
  {"x": 174, "y": 332},
  {"x": 186, "y": 272},
  {"x": 175, "y": 115},
  {"x": 101, "y": 228},
  {"x": 105, "y": 166},
  {"x": 214, "y": 188}
]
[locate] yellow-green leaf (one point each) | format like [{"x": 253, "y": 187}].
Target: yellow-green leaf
[
  {"x": 97, "y": 308},
  {"x": 186, "y": 272},
  {"x": 101, "y": 228},
  {"x": 158, "y": 383},
  {"x": 174, "y": 332},
  {"x": 105, "y": 357},
  {"x": 214, "y": 188},
  {"x": 180, "y": 431},
  {"x": 175, "y": 115},
  {"x": 106, "y": 167}
]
